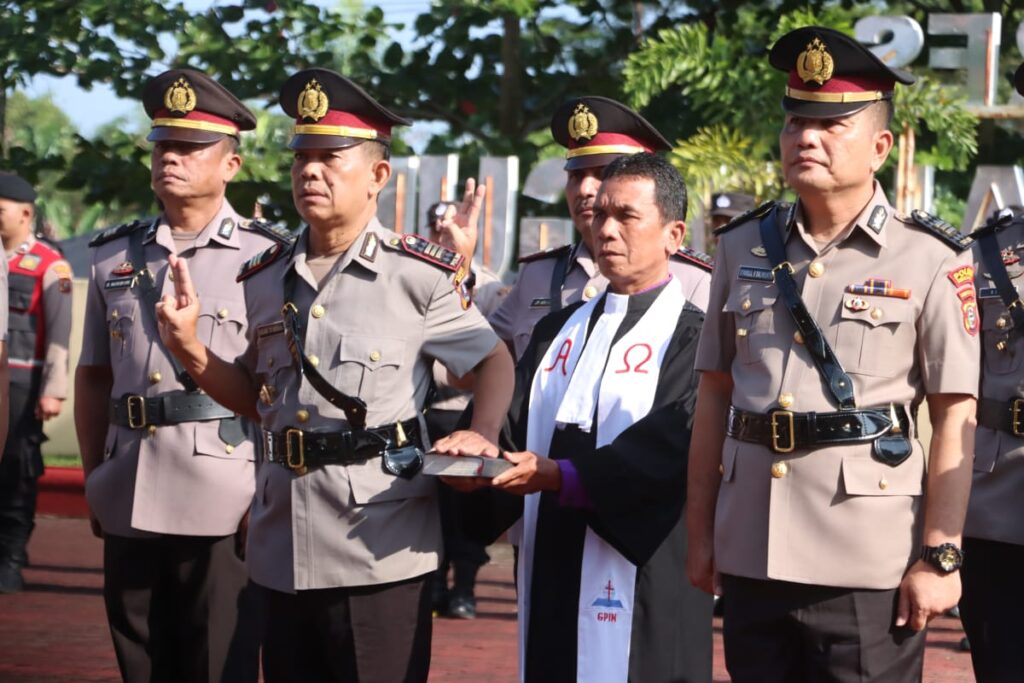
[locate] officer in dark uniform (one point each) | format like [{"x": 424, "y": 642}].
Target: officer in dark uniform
[{"x": 40, "y": 326}]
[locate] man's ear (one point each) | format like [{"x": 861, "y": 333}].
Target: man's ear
[
  {"x": 380, "y": 174},
  {"x": 674, "y": 233}
]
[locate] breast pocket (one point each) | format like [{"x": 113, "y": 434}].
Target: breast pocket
[
  {"x": 122, "y": 321},
  {"x": 369, "y": 365},
  {"x": 221, "y": 323},
  {"x": 875, "y": 335},
  {"x": 752, "y": 306},
  {"x": 864, "y": 476},
  {"x": 272, "y": 361},
  {"x": 1002, "y": 352}
]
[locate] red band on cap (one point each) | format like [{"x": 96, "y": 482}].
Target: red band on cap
[
  {"x": 605, "y": 139},
  {"x": 344, "y": 119},
  {"x": 851, "y": 83},
  {"x": 166, "y": 118}
]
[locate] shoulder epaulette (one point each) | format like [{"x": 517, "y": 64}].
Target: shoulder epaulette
[
  {"x": 119, "y": 231},
  {"x": 261, "y": 261},
  {"x": 941, "y": 229},
  {"x": 696, "y": 258},
  {"x": 268, "y": 229},
  {"x": 428, "y": 251},
  {"x": 744, "y": 217},
  {"x": 553, "y": 252},
  {"x": 50, "y": 244},
  {"x": 994, "y": 224}
]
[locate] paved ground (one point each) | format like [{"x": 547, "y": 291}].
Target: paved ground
[{"x": 55, "y": 632}]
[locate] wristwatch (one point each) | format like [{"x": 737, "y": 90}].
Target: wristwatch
[{"x": 947, "y": 558}]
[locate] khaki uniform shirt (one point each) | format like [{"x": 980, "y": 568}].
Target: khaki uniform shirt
[
  {"x": 181, "y": 479},
  {"x": 833, "y": 516},
  {"x": 530, "y": 298},
  {"x": 57, "y": 315},
  {"x": 376, "y": 325},
  {"x": 996, "y": 510}
]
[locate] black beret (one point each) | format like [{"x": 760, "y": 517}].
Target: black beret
[
  {"x": 831, "y": 74},
  {"x": 332, "y": 112},
  {"x": 16, "y": 188},
  {"x": 190, "y": 106},
  {"x": 596, "y": 130}
]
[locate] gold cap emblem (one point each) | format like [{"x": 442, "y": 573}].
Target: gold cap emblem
[
  {"x": 815, "y": 63},
  {"x": 180, "y": 98},
  {"x": 312, "y": 101},
  {"x": 582, "y": 123}
]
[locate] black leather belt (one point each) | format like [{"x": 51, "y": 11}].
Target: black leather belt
[
  {"x": 1005, "y": 416},
  {"x": 174, "y": 407},
  {"x": 299, "y": 450},
  {"x": 784, "y": 431}
]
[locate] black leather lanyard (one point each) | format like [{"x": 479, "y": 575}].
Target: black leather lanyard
[
  {"x": 993, "y": 260},
  {"x": 558, "y": 275},
  {"x": 353, "y": 406},
  {"x": 838, "y": 382},
  {"x": 145, "y": 284}
]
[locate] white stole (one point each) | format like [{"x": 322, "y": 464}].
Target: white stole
[{"x": 576, "y": 376}]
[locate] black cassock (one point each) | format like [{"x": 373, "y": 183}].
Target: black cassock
[{"x": 637, "y": 489}]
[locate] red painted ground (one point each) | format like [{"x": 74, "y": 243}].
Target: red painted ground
[{"x": 55, "y": 631}]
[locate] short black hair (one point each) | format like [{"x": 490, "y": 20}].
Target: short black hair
[
  {"x": 884, "y": 110},
  {"x": 376, "y": 150},
  {"x": 669, "y": 187}
]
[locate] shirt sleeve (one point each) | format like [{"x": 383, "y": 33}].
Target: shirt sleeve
[
  {"x": 95, "y": 342},
  {"x": 459, "y": 338},
  {"x": 717, "y": 346},
  {"x": 948, "y": 329},
  {"x": 503, "y": 319},
  {"x": 57, "y": 298}
]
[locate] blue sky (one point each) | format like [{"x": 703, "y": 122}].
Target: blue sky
[{"x": 100, "y": 105}]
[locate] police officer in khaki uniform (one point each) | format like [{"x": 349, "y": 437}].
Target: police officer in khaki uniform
[
  {"x": 169, "y": 472},
  {"x": 829, "y": 322},
  {"x": 994, "y": 530},
  {"x": 344, "y": 331},
  {"x": 40, "y": 316},
  {"x": 594, "y": 130}
]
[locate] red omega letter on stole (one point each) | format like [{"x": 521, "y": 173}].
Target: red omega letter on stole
[{"x": 639, "y": 368}]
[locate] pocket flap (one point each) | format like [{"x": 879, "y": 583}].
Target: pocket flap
[
  {"x": 863, "y": 476},
  {"x": 222, "y": 310},
  {"x": 749, "y": 298},
  {"x": 877, "y": 310},
  {"x": 272, "y": 354},
  {"x": 371, "y": 484},
  {"x": 208, "y": 442},
  {"x": 370, "y": 351}
]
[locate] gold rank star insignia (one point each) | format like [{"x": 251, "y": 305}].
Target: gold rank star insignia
[
  {"x": 180, "y": 98},
  {"x": 582, "y": 123},
  {"x": 312, "y": 101},
  {"x": 815, "y": 65}
]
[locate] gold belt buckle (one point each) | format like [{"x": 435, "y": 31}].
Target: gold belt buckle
[
  {"x": 295, "y": 464},
  {"x": 137, "y": 417},
  {"x": 788, "y": 415},
  {"x": 1015, "y": 422}
]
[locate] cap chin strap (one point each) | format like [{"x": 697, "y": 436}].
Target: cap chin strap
[{"x": 810, "y": 96}]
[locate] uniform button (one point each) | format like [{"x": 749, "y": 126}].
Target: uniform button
[
  {"x": 375, "y": 356},
  {"x": 721, "y": 469},
  {"x": 302, "y": 415},
  {"x": 876, "y": 313},
  {"x": 779, "y": 470},
  {"x": 222, "y": 313},
  {"x": 155, "y": 377},
  {"x": 745, "y": 305},
  {"x": 786, "y": 399},
  {"x": 883, "y": 483},
  {"x": 741, "y": 332},
  {"x": 228, "y": 448},
  {"x": 1001, "y": 323},
  {"x": 317, "y": 311},
  {"x": 589, "y": 292},
  {"x": 114, "y": 314},
  {"x": 313, "y": 360},
  {"x": 270, "y": 362},
  {"x": 817, "y": 269},
  {"x": 798, "y": 338},
  {"x": 151, "y": 429}
]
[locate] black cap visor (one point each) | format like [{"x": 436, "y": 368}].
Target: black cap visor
[
  {"x": 823, "y": 110},
  {"x": 590, "y": 161},
  {"x": 180, "y": 134},
  {"x": 317, "y": 141}
]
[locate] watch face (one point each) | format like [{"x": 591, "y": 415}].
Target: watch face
[{"x": 948, "y": 558}]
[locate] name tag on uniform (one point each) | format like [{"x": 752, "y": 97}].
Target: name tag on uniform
[
  {"x": 269, "y": 330},
  {"x": 755, "y": 274},
  {"x": 541, "y": 302},
  {"x": 988, "y": 293},
  {"x": 118, "y": 283}
]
